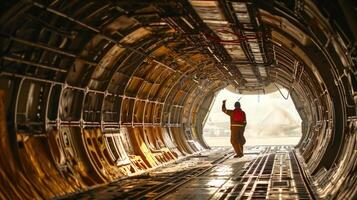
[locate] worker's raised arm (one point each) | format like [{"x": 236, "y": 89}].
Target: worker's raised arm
[
  {"x": 224, "y": 106},
  {"x": 224, "y": 109}
]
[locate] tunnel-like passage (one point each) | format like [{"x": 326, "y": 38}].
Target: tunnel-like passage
[{"x": 95, "y": 91}]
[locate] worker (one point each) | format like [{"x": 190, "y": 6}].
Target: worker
[{"x": 238, "y": 123}]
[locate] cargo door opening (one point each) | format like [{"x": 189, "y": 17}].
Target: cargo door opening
[{"x": 271, "y": 119}]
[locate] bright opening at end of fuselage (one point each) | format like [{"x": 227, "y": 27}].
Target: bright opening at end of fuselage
[{"x": 271, "y": 120}]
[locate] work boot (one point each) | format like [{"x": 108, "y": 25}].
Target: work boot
[{"x": 238, "y": 156}]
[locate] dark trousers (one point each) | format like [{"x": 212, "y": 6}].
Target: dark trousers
[{"x": 237, "y": 139}]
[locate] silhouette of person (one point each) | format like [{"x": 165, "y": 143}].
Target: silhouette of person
[{"x": 238, "y": 123}]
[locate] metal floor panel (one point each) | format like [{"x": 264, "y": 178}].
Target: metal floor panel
[{"x": 265, "y": 172}]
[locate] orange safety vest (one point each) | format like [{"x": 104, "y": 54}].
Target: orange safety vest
[{"x": 238, "y": 116}]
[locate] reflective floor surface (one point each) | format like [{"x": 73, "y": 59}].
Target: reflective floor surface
[{"x": 265, "y": 172}]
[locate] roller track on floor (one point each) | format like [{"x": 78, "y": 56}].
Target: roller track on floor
[{"x": 265, "y": 172}]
